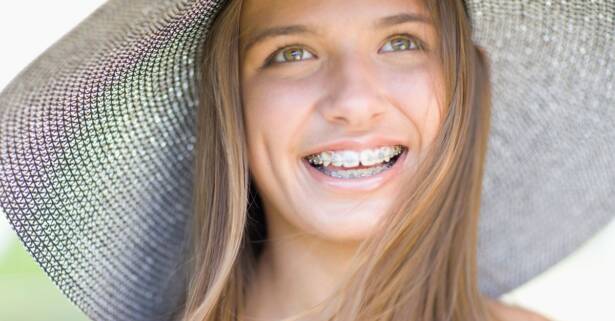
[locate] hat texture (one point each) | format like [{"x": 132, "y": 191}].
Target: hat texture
[{"x": 97, "y": 134}]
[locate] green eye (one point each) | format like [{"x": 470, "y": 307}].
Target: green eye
[
  {"x": 290, "y": 54},
  {"x": 402, "y": 42}
]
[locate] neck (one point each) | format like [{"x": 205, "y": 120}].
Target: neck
[{"x": 295, "y": 272}]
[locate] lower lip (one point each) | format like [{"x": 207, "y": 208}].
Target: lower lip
[{"x": 366, "y": 183}]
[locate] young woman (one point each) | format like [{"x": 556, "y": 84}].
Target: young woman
[
  {"x": 340, "y": 151},
  {"x": 343, "y": 146}
]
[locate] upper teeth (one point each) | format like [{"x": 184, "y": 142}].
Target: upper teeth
[{"x": 350, "y": 158}]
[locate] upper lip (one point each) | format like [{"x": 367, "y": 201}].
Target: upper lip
[{"x": 354, "y": 144}]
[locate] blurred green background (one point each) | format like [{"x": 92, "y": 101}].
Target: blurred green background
[{"x": 26, "y": 292}]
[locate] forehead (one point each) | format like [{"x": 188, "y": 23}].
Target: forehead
[{"x": 257, "y": 14}]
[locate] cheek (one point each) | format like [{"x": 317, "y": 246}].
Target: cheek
[
  {"x": 275, "y": 113},
  {"x": 277, "y": 102},
  {"x": 419, "y": 93}
]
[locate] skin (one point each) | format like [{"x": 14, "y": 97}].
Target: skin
[
  {"x": 348, "y": 83},
  {"x": 514, "y": 313}
]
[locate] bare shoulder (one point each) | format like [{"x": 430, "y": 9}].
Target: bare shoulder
[{"x": 515, "y": 313}]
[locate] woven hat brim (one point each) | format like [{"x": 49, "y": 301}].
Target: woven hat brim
[
  {"x": 551, "y": 165},
  {"x": 96, "y": 138}
]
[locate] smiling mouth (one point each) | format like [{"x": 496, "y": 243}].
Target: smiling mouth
[{"x": 358, "y": 171}]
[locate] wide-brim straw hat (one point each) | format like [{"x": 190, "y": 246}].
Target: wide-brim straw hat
[{"x": 97, "y": 134}]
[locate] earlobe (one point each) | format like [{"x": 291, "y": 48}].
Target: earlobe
[{"x": 483, "y": 55}]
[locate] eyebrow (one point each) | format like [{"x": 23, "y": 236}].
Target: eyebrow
[{"x": 303, "y": 29}]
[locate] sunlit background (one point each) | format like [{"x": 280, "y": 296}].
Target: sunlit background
[{"x": 580, "y": 288}]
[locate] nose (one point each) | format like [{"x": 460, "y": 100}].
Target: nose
[{"x": 354, "y": 99}]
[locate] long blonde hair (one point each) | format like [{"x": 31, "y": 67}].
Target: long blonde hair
[{"x": 421, "y": 265}]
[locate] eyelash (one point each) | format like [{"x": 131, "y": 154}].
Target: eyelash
[{"x": 420, "y": 45}]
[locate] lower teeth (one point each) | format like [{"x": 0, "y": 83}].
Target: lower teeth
[{"x": 355, "y": 173}]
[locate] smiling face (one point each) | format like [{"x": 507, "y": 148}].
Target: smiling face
[{"x": 345, "y": 77}]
